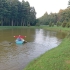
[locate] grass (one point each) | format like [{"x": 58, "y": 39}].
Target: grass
[
  {"x": 55, "y": 28},
  {"x": 10, "y": 27},
  {"x": 55, "y": 59}
]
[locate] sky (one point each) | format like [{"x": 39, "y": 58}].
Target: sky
[{"x": 49, "y": 6}]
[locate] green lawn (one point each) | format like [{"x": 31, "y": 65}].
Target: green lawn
[
  {"x": 55, "y": 28},
  {"x": 55, "y": 59},
  {"x": 10, "y": 27}
]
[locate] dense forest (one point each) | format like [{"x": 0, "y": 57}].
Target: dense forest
[
  {"x": 62, "y": 18},
  {"x": 16, "y": 13}
]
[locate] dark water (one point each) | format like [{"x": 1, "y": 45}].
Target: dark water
[{"x": 16, "y": 57}]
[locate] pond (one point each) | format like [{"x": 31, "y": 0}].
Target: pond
[{"x": 16, "y": 57}]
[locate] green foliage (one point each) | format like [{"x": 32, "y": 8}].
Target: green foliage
[
  {"x": 37, "y": 24},
  {"x": 68, "y": 24},
  {"x": 60, "y": 18},
  {"x": 0, "y": 22},
  {"x": 14, "y": 12},
  {"x": 52, "y": 24},
  {"x": 28, "y": 25},
  {"x": 64, "y": 24},
  {"x": 46, "y": 19},
  {"x": 58, "y": 23}
]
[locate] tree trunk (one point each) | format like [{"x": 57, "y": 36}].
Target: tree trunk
[
  {"x": 21, "y": 22},
  {"x": 17, "y": 23},
  {"x": 24, "y": 23},
  {"x": 1, "y": 22},
  {"x": 12, "y": 22}
]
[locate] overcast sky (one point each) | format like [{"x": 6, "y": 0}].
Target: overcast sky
[{"x": 42, "y": 6}]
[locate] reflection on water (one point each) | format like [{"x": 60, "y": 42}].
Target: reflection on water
[{"x": 16, "y": 57}]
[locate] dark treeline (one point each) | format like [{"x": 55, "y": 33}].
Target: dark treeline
[
  {"x": 16, "y": 13},
  {"x": 62, "y": 18}
]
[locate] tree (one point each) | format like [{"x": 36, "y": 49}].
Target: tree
[
  {"x": 44, "y": 20},
  {"x": 68, "y": 24},
  {"x": 32, "y": 17},
  {"x": 14, "y": 12},
  {"x": 64, "y": 24}
]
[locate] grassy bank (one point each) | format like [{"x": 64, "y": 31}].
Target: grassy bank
[
  {"x": 55, "y": 59},
  {"x": 55, "y": 28},
  {"x": 10, "y": 27}
]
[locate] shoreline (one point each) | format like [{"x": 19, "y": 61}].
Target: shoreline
[{"x": 55, "y": 59}]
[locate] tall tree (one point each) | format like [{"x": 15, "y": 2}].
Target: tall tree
[
  {"x": 32, "y": 17},
  {"x": 14, "y": 12}
]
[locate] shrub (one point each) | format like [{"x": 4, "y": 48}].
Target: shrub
[
  {"x": 52, "y": 24},
  {"x": 28, "y": 24},
  {"x": 68, "y": 24},
  {"x": 37, "y": 24},
  {"x": 64, "y": 24},
  {"x": 58, "y": 23}
]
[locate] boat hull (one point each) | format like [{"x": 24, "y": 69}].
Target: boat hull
[{"x": 19, "y": 42}]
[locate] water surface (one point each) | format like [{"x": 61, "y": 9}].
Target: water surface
[{"x": 16, "y": 57}]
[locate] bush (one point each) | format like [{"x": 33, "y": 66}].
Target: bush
[
  {"x": 68, "y": 24},
  {"x": 52, "y": 24},
  {"x": 37, "y": 24},
  {"x": 58, "y": 23},
  {"x": 28, "y": 24},
  {"x": 64, "y": 24}
]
